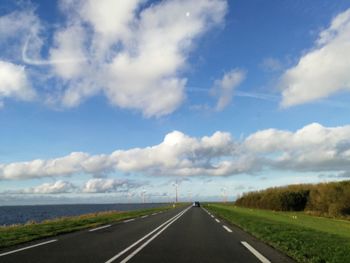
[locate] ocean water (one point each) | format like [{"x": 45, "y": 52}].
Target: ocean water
[{"x": 22, "y": 214}]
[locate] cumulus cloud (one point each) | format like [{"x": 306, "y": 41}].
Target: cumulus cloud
[
  {"x": 101, "y": 185},
  {"x": 313, "y": 148},
  {"x": 177, "y": 155},
  {"x": 58, "y": 187},
  {"x": 322, "y": 71},
  {"x": 133, "y": 52},
  {"x": 14, "y": 82},
  {"x": 96, "y": 185},
  {"x": 224, "y": 87}
]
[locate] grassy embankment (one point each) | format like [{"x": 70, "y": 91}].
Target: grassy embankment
[
  {"x": 16, "y": 234},
  {"x": 303, "y": 237}
]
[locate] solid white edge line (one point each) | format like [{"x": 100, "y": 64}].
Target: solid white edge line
[
  {"x": 227, "y": 229},
  {"x": 255, "y": 252},
  {"x": 24, "y": 248},
  {"x": 143, "y": 238},
  {"x": 129, "y": 220},
  {"x": 217, "y": 220},
  {"x": 149, "y": 240},
  {"x": 98, "y": 228}
]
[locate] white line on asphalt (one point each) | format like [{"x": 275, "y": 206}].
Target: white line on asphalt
[
  {"x": 149, "y": 240},
  {"x": 227, "y": 229},
  {"x": 255, "y": 252},
  {"x": 217, "y": 220},
  {"x": 144, "y": 216},
  {"x": 24, "y": 248},
  {"x": 154, "y": 214},
  {"x": 146, "y": 236},
  {"x": 212, "y": 216},
  {"x": 98, "y": 228},
  {"x": 129, "y": 220}
]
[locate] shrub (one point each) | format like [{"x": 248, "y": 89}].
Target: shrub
[{"x": 325, "y": 198}]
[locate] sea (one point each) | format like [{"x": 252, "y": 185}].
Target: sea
[{"x": 22, "y": 214}]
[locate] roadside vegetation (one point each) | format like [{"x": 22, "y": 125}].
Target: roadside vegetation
[
  {"x": 16, "y": 234},
  {"x": 304, "y": 237},
  {"x": 329, "y": 199}
]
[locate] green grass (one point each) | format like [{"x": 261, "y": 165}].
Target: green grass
[
  {"x": 303, "y": 237},
  {"x": 16, "y": 234}
]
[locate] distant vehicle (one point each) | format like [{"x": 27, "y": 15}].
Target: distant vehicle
[{"x": 196, "y": 204}]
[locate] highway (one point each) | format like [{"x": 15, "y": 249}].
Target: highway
[{"x": 186, "y": 234}]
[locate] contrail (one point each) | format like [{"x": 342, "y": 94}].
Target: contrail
[
  {"x": 37, "y": 62},
  {"x": 255, "y": 95},
  {"x": 237, "y": 93}
]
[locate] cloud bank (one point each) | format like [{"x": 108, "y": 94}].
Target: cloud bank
[
  {"x": 95, "y": 185},
  {"x": 313, "y": 148}
]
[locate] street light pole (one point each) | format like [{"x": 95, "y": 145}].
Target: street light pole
[{"x": 176, "y": 193}]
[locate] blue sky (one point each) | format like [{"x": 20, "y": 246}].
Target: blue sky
[{"x": 102, "y": 101}]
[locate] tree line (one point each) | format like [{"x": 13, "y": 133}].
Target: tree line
[{"x": 324, "y": 198}]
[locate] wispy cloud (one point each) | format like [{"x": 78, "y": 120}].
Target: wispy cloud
[{"x": 224, "y": 88}]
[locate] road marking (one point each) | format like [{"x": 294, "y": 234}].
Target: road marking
[
  {"x": 217, "y": 220},
  {"x": 146, "y": 236},
  {"x": 129, "y": 220},
  {"x": 150, "y": 240},
  {"x": 98, "y": 228},
  {"x": 227, "y": 229},
  {"x": 144, "y": 216},
  {"x": 212, "y": 216},
  {"x": 255, "y": 252},
  {"x": 154, "y": 214},
  {"x": 24, "y": 248}
]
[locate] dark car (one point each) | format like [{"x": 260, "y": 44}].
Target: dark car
[{"x": 196, "y": 204}]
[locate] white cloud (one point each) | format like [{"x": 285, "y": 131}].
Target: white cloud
[
  {"x": 68, "y": 56},
  {"x": 96, "y": 185},
  {"x": 14, "y": 82},
  {"x": 271, "y": 64},
  {"x": 18, "y": 22},
  {"x": 224, "y": 87},
  {"x": 312, "y": 148},
  {"x": 324, "y": 70},
  {"x": 133, "y": 52},
  {"x": 100, "y": 185},
  {"x": 178, "y": 154},
  {"x": 58, "y": 187},
  {"x": 16, "y": 29}
]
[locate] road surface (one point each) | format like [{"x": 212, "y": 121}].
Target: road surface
[{"x": 188, "y": 234}]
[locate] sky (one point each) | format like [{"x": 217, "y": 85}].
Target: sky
[{"x": 120, "y": 101}]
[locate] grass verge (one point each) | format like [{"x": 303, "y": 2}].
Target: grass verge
[
  {"x": 16, "y": 234},
  {"x": 303, "y": 237}
]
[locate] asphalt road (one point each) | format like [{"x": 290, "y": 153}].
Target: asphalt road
[{"x": 180, "y": 235}]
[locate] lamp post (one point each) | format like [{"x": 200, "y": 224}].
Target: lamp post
[
  {"x": 176, "y": 193},
  {"x": 224, "y": 195},
  {"x": 143, "y": 195}
]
